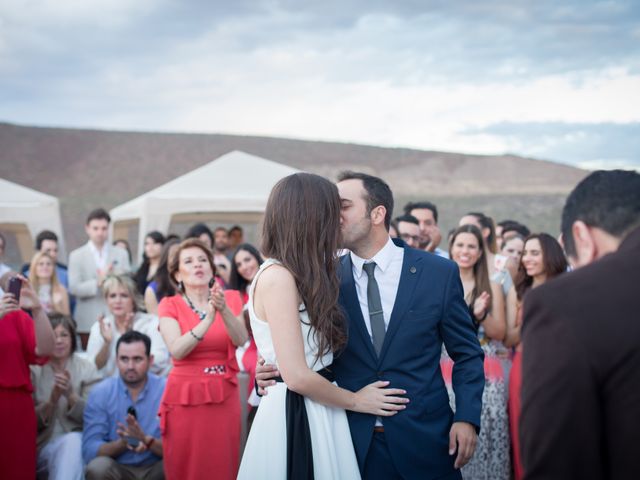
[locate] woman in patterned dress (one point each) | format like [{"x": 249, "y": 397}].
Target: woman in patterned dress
[{"x": 485, "y": 300}]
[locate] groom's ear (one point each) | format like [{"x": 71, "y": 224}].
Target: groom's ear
[{"x": 378, "y": 214}]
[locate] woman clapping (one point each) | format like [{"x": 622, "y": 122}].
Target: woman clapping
[
  {"x": 123, "y": 302},
  {"x": 60, "y": 392},
  {"x": 200, "y": 409}
]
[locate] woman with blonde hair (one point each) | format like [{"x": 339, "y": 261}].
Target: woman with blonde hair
[
  {"x": 53, "y": 297},
  {"x": 124, "y": 304}
]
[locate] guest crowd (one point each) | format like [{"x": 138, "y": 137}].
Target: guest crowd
[{"x": 107, "y": 371}]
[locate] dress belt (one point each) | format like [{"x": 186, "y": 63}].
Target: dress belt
[
  {"x": 299, "y": 453},
  {"x": 217, "y": 369}
]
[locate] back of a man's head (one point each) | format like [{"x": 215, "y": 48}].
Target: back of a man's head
[{"x": 608, "y": 200}]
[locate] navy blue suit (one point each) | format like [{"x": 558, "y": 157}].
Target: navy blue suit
[{"x": 429, "y": 309}]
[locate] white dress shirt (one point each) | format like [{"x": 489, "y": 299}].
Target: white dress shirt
[
  {"x": 100, "y": 256},
  {"x": 441, "y": 253},
  {"x": 387, "y": 272}
]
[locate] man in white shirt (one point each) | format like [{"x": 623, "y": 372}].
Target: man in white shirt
[
  {"x": 402, "y": 305},
  {"x": 89, "y": 265}
]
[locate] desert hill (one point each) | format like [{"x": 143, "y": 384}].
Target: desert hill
[{"x": 90, "y": 168}]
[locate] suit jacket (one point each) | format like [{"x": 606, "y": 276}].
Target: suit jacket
[
  {"x": 429, "y": 309},
  {"x": 580, "y": 415},
  {"x": 83, "y": 283}
]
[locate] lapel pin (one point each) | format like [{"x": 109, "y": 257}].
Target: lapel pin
[{"x": 413, "y": 270}]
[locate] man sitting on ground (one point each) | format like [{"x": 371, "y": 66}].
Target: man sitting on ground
[{"x": 121, "y": 437}]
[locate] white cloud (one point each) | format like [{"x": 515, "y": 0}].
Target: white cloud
[{"x": 432, "y": 78}]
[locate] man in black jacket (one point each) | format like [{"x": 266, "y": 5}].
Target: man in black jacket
[{"x": 580, "y": 414}]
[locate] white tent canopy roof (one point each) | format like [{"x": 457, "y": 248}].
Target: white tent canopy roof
[
  {"x": 24, "y": 208},
  {"x": 234, "y": 182}
]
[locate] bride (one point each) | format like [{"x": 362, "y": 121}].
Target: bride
[{"x": 301, "y": 429}]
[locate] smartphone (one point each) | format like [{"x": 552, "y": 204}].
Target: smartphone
[
  {"x": 500, "y": 262},
  {"x": 15, "y": 285},
  {"x": 134, "y": 442}
]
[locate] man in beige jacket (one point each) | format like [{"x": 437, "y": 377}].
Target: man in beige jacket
[{"x": 89, "y": 265}]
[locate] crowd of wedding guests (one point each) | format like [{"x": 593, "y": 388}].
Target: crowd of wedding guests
[{"x": 108, "y": 370}]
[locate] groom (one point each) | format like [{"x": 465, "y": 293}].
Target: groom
[{"x": 402, "y": 304}]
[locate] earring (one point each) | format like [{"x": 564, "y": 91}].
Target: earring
[{"x": 181, "y": 285}]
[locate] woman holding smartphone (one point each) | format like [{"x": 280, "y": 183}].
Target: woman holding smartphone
[{"x": 24, "y": 340}]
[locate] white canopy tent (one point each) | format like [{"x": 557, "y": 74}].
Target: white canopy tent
[
  {"x": 25, "y": 212},
  {"x": 234, "y": 188}
]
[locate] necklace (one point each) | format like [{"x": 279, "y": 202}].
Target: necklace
[{"x": 201, "y": 313}]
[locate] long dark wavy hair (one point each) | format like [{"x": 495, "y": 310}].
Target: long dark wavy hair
[
  {"x": 140, "y": 276},
  {"x": 553, "y": 260},
  {"x": 237, "y": 281},
  {"x": 302, "y": 230},
  {"x": 164, "y": 285},
  {"x": 481, "y": 281}
]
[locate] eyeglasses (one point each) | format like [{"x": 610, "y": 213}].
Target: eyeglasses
[{"x": 406, "y": 237}]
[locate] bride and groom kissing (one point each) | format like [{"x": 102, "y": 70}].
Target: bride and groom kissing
[{"x": 352, "y": 383}]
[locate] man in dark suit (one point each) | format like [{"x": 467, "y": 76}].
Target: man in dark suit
[
  {"x": 580, "y": 414},
  {"x": 402, "y": 304}
]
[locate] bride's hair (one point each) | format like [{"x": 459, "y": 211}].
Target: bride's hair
[{"x": 302, "y": 230}]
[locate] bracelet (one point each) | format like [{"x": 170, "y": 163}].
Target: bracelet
[
  {"x": 149, "y": 443},
  {"x": 196, "y": 336},
  {"x": 480, "y": 320}
]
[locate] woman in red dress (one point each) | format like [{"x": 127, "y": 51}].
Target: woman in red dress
[
  {"x": 244, "y": 265},
  {"x": 200, "y": 409},
  {"x": 23, "y": 340},
  {"x": 542, "y": 259}
]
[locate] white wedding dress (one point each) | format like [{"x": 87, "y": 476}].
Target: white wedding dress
[{"x": 265, "y": 454}]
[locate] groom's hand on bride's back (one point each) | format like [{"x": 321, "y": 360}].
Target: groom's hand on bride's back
[{"x": 265, "y": 375}]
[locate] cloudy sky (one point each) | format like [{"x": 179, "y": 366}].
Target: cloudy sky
[{"x": 557, "y": 80}]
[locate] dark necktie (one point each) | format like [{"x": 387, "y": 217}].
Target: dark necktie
[{"x": 375, "y": 307}]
